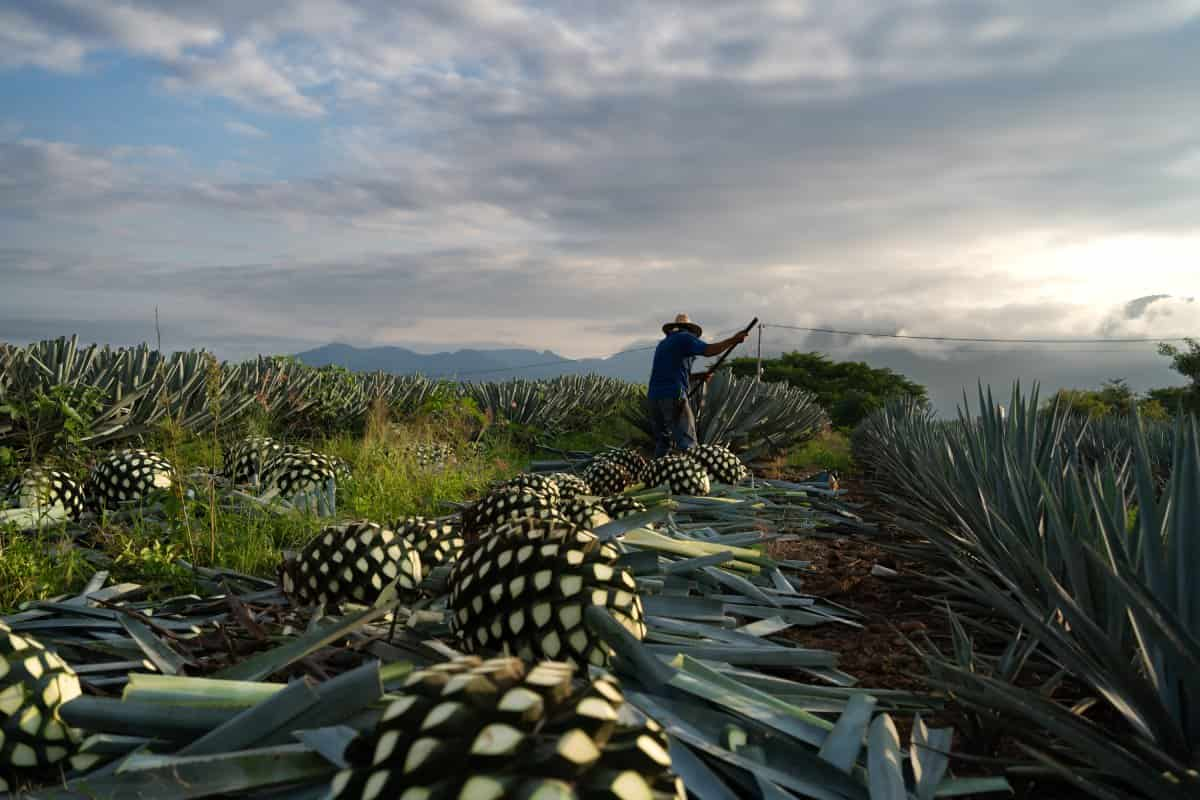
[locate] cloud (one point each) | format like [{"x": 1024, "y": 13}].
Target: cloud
[
  {"x": 245, "y": 129},
  {"x": 569, "y": 175}
]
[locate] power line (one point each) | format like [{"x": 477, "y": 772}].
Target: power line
[
  {"x": 557, "y": 362},
  {"x": 1133, "y": 347},
  {"x": 976, "y": 338}
]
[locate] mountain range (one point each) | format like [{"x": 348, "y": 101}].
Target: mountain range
[
  {"x": 486, "y": 365},
  {"x": 946, "y": 374}
]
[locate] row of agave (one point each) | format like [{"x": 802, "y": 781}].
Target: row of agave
[
  {"x": 1081, "y": 558},
  {"x": 565, "y": 403},
  {"x": 137, "y": 388}
]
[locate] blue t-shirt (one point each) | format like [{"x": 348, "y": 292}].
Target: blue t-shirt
[{"x": 673, "y": 364}]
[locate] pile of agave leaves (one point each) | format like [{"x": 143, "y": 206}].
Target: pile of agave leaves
[{"x": 235, "y": 693}]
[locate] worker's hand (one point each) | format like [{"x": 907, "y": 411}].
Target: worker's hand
[{"x": 740, "y": 337}]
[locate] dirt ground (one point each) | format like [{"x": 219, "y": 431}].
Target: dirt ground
[{"x": 877, "y": 653}]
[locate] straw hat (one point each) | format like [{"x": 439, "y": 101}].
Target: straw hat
[{"x": 682, "y": 323}]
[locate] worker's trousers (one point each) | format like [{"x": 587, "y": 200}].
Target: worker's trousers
[{"x": 671, "y": 421}]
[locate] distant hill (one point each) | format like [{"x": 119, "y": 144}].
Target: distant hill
[{"x": 484, "y": 365}]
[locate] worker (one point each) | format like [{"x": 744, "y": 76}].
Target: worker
[{"x": 671, "y": 416}]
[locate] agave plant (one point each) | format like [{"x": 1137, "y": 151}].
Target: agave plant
[
  {"x": 522, "y": 401},
  {"x": 1091, "y": 557}
]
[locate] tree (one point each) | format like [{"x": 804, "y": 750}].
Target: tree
[
  {"x": 1114, "y": 398},
  {"x": 848, "y": 390},
  {"x": 1116, "y": 394},
  {"x": 1187, "y": 363}
]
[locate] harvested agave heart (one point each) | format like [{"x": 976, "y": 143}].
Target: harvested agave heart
[
  {"x": 607, "y": 477},
  {"x": 569, "y": 485},
  {"x": 633, "y": 461},
  {"x": 504, "y": 505},
  {"x": 534, "y": 482},
  {"x": 127, "y": 476},
  {"x": 294, "y": 472},
  {"x": 34, "y": 684},
  {"x": 523, "y": 588},
  {"x": 351, "y": 562},
  {"x": 719, "y": 462},
  {"x": 584, "y": 514},
  {"x": 680, "y": 474},
  {"x": 500, "y": 729},
  {"x": 246, "y": 461},
  {"x": 437, "y": 542},
  {"x": 45, "y": 488},
  {"x": 619, "y": 506}
]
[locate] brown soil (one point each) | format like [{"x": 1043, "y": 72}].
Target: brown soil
[{"x": 891, "y": 607}]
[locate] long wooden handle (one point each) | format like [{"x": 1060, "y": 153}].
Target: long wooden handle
[{"x": 721, "y": 360}]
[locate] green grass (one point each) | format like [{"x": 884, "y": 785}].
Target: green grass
[
  {"x": 611, "y": 430},
  {"x": 830, "y": 450}
]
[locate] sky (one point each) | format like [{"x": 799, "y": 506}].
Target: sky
[{"x": 569, "y": 175}]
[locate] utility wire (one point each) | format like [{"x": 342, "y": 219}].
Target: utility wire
[
  {"x": 1133, "y": 347},
  {"x": 842, "y": 333},
  {"x": 975, "y": 338}
]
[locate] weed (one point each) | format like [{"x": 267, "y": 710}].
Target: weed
[{"x": 829, "y": 450}]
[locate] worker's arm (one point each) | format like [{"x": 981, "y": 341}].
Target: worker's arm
[{"x": 716, "y": 348}]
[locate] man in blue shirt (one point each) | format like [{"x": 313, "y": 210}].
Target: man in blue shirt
[{"x": 670, "y": 414}]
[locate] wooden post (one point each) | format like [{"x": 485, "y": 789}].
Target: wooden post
[{"x": 758, "y": 369}]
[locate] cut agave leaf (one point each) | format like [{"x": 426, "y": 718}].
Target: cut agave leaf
[
  {"x": 885, "y": 765},
  {"x": 844, "y": 743},
  {"x": 262, "y": 665},
  {"x": 929, "y": 756},
  {"x": 222, "y": 774},
  {"x": 258, "y": 722}
]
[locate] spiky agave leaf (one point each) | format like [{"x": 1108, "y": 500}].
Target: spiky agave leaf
[
  {"x": 34, "y": 683},
  {"x": 45, "y": 488},
  {"x": 569, "y": 485},
  {"x": 524, "y": 587},
  {"x": 679, "y": 473},
  {"x": 607, "y": 477},
  {"x": 355, "y": 561},
  {"x": 506, "y": 504},
  {"x": 437, "y": 541},
  {"x": 127, "y": 475},
  {"x": 721, "y": 464},
  {"x": 493, "y": 729}
]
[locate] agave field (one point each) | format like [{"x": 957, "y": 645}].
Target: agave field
[{"x": 268, "y": 580}]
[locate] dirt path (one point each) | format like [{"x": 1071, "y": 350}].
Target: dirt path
[{"x": 876, "y": 654}]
